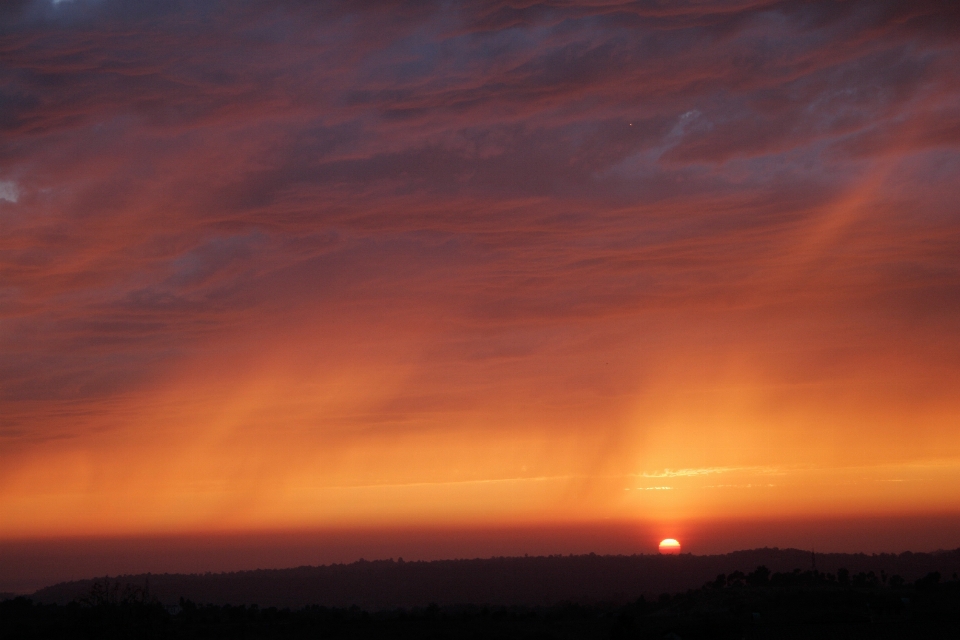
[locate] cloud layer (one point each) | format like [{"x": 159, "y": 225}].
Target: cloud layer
[{"x": 254, "y": 253}]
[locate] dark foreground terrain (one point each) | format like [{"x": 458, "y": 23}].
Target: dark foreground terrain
[
  {"x": 542, "y": 581},
  {"x": 758, "y": 604}
]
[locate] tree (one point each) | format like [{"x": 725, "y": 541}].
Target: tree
[{"x": 760, "y": 577}]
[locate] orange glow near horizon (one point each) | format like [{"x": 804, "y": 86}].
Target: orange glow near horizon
[
  {"x": 241, "y": 451},
  {"x": 377, "y": 276}
]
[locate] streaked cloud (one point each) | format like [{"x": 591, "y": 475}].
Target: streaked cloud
[
  {"x": 263, "y": 264},
  {"x": 9, "y": 191},
  {"x": 679, "y": 473}
]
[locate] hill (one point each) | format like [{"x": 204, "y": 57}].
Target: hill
[{"x": 529, "y": 581}]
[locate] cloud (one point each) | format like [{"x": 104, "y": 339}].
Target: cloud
[
  {"x": 9, "y": 191},
  {"x": 566, "y": 225}
]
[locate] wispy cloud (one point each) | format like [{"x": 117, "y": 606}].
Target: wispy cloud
[
  {"x": 9, "y": 191},
  {"x": 580, "y": 238},
  {"x": 705, "y": 471}
]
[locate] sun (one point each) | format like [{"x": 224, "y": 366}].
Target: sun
[{"x": 669, "y": 547}]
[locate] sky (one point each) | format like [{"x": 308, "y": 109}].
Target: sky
[{"x": 352, "y": 266}]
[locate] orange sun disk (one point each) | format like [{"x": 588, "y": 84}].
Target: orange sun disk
[{"x": 669, "y": 547}]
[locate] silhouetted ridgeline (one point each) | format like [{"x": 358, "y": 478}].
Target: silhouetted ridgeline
[{"x": 543, "y": 580}]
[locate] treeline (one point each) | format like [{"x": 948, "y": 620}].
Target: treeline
[
  {"x": 758, "y": 604},
  {"x": 762, "y": 577}
]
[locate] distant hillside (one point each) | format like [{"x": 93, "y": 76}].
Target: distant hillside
[{"x": 542, "y": 580}]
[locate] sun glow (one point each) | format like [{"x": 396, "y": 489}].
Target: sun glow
[{"x": 669, "y": 547}]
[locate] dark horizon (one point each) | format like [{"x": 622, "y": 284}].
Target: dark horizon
[
  {"x": 547, "y": 580},
  {"x": 512, "y": 599},
  {"x": 28, "y": 565}
]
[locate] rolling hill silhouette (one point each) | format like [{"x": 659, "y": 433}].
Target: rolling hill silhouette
[{"x": 504, "y": 581}]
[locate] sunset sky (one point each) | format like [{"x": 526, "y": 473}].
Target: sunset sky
[{"x": 291, "y": 266}]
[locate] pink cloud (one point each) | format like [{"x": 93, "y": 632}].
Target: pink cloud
[{"x": 499, "y": 196}]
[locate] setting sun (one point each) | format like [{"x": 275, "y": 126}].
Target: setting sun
[{"x": 669, "y": 547}]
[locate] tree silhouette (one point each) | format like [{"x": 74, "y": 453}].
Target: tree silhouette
[
  {"x": 759, "y": 577},
  {"x": 928, "y": 582}
]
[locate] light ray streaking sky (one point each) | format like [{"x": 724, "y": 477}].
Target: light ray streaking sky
[{"x": 298, "y": 265}]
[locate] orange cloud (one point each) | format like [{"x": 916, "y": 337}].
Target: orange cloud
[{"x": 473, "y": 266}]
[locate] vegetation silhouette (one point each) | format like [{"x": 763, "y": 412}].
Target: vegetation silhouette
[
  {"x": 529, "y": 581},
  {"x": 759, "y": 604}
]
